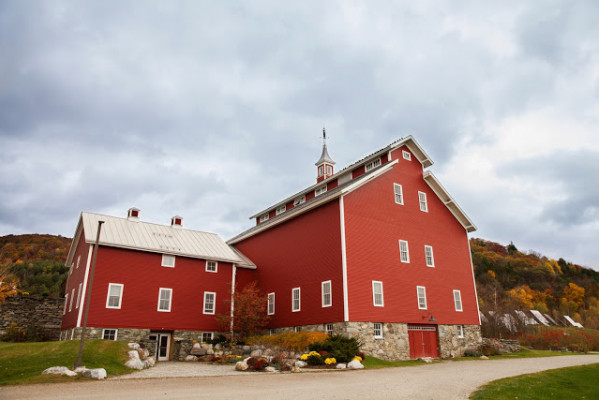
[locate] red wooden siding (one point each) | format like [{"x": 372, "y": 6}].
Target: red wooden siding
[
  {"x": 302, "y": 252},
  {"x": 374, "y": 226},
  {"x": 69, "y": 320}
]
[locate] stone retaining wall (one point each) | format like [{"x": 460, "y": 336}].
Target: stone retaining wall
[
  {"x": 450, "y": 345},
  {"x": 25, "y": 311},
  {"x": 503, "y": 345}
]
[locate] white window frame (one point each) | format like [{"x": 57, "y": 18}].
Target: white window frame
[
  {"x": 398, "y": 193},
  {"x": 421, "y": 297},
  {"x": 296, "y": 292},
  {"x": 297, "y": 329},
  {"x": 281, "y": 209},
  {"x": 104, "y": 331},
  {"x": 212, "y": 266},
  {"x": 329, "y": 328},
  {"x": 372, "y": 165},
  {"x": 428, "y": 256},
  {"x": 170, "y": 299},
  {"x": 270, "y": 310},
  {"x": 320, "y": 170},
  {"x": 206, "y": 310},
  {"x": 264, "y": 217},
  {"x": 120, "y": 297},
  {"x": 457, "y": 300},
  {"x": 320, "y": 190},
  {"x": 325, "y": 293},
  {"x": 78, "y": 296},
  {"x": 460, "y": 331},
  {"x": 72, "y": 298},
  {"x": 168, "y": 260},
  {"x": 422, "y": 202},
  {"x": 404, "y": 251},
  {"x": 66, "y": 301},
  {"x": 378, "y": 330},
  {"x": 374, "y": 294},
  {"x": 205, "y": 334},
  {"x": 329, "y": 170},
  {"x": 299, "y": 200},
  {"x": 406, "y": 155}
]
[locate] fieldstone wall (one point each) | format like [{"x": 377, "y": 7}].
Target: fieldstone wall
[
  {"x": 393, "y": 346},
  {"x": 123, "y": 335},
  {"x": 450, "y": 345},
  {"x": 26, "y": 311},
  {"x": 503, "y": 345}
]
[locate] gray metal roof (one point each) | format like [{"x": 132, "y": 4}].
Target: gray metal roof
[
  {"x": 325, "y": 157},
  {"x": 139, "y": 235}
]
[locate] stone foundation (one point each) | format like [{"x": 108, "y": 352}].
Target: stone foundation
[{"x": 450, "y": 345}]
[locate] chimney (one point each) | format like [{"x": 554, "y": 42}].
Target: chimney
[
  {"x": 177, "y": 222},
  {"x": 133, "y": 214}
]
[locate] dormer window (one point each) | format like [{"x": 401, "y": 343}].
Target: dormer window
[
  {"x": 168, "y": 261},
  {"x": 372, "y": 164},
  {"x": 406, "y": 155},
  {"x": 133, "y": 214},
  {"x": 299, "y": 200},
  {"x": 281, "y": 209},
  {"x": 264, "y": 217},
  {"x": 177, "y": 221},
  {"x": 320, "y": 190}
]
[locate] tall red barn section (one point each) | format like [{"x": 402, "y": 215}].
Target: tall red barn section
[{"x": 378, "y": 251}]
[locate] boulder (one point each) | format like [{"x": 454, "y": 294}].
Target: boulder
[
  {"x": 270, "y": 369},
  {"x": 135, "y": 363},
  {"x": 246, "y": 348},
  {"x": 341, "y": 366},
  {"x": 133, "y": 346},
  {"x": 96, "y": 373},
  {"x": 198, "y": 351},
  {"x": 267, "y": 353},
  {"x": 191, "y": 358},
  {"x": 484, "y": 357},
  {"x": 79, "y": 370},
  {"x": 133, "y": 354},
  {"x": 256, "y": 353},
  {"x": 300, "y": 364},
  {"x": 295, "y": 369},
  {"x": 149, "y": 362},
  {"x": 218, "y": 346},
  {"x": 241, "y": 366},
  {"x": 210, "y": 351},
  {"x": 427, "y": 360},
  {"x": 59, "y": 371},
  {"x": 354, "y": 364}
]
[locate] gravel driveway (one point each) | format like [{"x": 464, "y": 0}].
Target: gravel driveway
[{"x": 447, "y": 380}]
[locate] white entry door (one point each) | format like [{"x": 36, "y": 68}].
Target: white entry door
[{"x": 164, "y": 346}]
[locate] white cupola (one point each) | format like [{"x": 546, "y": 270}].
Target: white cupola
[{"x": 324, "y": 165}]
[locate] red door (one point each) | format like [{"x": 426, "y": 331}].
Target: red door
[{"x": 423, "y": 341}]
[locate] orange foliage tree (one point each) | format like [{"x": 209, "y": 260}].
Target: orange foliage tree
[{"x": 249, "y": 315}]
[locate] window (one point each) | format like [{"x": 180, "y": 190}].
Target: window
[
  {"x": 320, "y": 190},
  {"x": 404, "y": 253},
  {"x": 457, "y": 299},
  {"x": 320, "y": 170},
  {"x": 115, "y": 295},
  {"x": 72, "y": 298},
  {"x": 329, "y": 170},
  {"x": 372, "y": 164},
  {"x": 329, "y": 328},
  {"x": 206, "y": 336},
  {"x": 377, "y": 294},
  {"x": 378, "y": 330},
  {"x": 327, "y": 300},
  {"x": 66, "y": 300},
  {"x": 422, "y": 200},
  {"x": 164, "y": 299},
  {"x": 295, "y": 299},
  {"x": 271, "y": 303},
  {"x": 460, "y": 331},
  {"x": 271, "y": 332},
  {"x": 168, "y": 261},
  {"x": 421, "y": 297},
  {"x": 211, "y": 266},
  {"x": 109, "y": 334},
  {"x": 397, "y": 189},
  {"x": 209, "y": 301},
  {"x": 428, "y": 255},
  {"x": 406, "y": 155},
  {"x": 297, "y": 329},
  {"x": 78, "y": 261},
  {"x": 264, "y": 217},
  {"x": 299, "y": 200},
  {"x": 281, "y": 209},
  {"x": 78, "y": 296}
]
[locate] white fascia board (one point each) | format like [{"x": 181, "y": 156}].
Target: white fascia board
[
  {"x": 449, "y": 202},
  {"x": 417, "y": 150},
  {"x": 369, "y": 177},
  {"x": 75, "y": 242}
]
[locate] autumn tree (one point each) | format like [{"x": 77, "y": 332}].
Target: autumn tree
[
  {"x": 249, "y": 315},
  {"x": 8, "y": 285}
]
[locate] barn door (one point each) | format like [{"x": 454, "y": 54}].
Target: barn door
[
  {"x": 423, "y": 341},
  {"x": 163, "y": 346}
]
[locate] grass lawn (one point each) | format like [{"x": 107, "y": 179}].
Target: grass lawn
[
  {"x": 23, "y": 363},
  {"x": 373, "y": 362},
  {"x": 524, "y": 353},
  {"x": 565, "y": 383}
]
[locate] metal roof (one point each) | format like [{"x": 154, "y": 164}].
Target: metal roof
[{"x": 139, "y": 235}]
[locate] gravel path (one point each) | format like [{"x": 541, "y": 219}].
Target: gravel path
[
  {"x": 447, "y": 380},
  {"x": 181, "y": 369}
]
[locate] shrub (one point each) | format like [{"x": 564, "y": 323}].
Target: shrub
[
  {"x": 290, "y": 341},
  {"x": 342, "y": 348},
  {"x": 489, "y": 350},
  {"x": 472, "y": 352},
  {"x": 553, "y": 338},
  {"x": 260, "y": 364}
]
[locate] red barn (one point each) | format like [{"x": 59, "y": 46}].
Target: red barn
[
  {"x": 378, "y": 250},
  {"x": 152, "y": 282}
]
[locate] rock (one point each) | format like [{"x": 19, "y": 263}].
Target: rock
[
  {"x": 149, "y": 362},
  {"x": 133, "y": 354},
  {"x": 79, "y": 370},
  {"x": 133, "y": 346},
  {"x": 218, "y": 346},
  {"x": 59, "y": 371},
  {"x": 270, "y": 369},
  {"x": 295, "y": 369},
  {"x": 210, "y": 351},
  {"x": 198, "y": 351},
  {"x": 246, "y": 348},
  {"x": 256, "y": 353},
  {"x": 427, "y": 360},
  {"x": 354, "y": 364},
  {"x": 341, "y": 366},
  {"x": 484, "y": 357},
  {"x": 267, "y": 353},
  {"x": 191, "y": 358},
  {"x": 135, "y": 363},
  {"x": 300, "y": 364},
  {"x": 241, "y": 366},
  {"x": 96, "y": 373}
]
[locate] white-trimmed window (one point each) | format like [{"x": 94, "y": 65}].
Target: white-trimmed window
[
  {"x": 428, "y": 255},
  {"x": 404, "y": 252},
  {"x": 299, "y": 200},
  {"x": 421, "y": 290},
  {"x": 211, "y": 266},
  {"x": 165, "y": 296},
  {"x": 295, "y": 299},
  {"x": 206, "y": 336},
  {"x": 377, "y": 294},
  {"x": 78, "y": 261},
  {"x": 281, "y": 209},
  {"x": 168, "y": 261},
  {"x": 460, "y": 331},
  {"x": 109, "y": 334},
  {"x": 329, "y": 328},
  {"x": 398, "y": 191},
  {"x": 72, "y": 298},
  {"x": 320, "y": 170},
  {"x": 115, "y": 295},
  {"x": 406, "y": 155},
  {"x": 320, "y": 190},
  {"x": 209, "y": 302},
  {"x": 329, "y": 170},
  {"x": 422, "y": 201},
  {"x": 78, "y": 296},
  {"x": 327, "y": 298},
  {"x": 372, "y": 165},
  {"x": 271, "y": 303},
  {"x": 297, "y": 329},
  {"x": 66, "y": 300},
  {"x": 457, "y": 300},
  {"x": 264, "y": 217},
  {"x": 378, "y": 330}
]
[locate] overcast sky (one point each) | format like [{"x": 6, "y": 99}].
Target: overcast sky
[{"x": 214, "y": 110}]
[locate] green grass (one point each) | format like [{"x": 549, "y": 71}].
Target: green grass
[
  {"x": 565, "y": 383},
  {"x": 23, "y": 363},
  {"x": 524, "y": 353},
  {"x": 373, "y": 362}
]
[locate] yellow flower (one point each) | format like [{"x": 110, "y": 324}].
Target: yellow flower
[
  {"x": 358, "y": 358},
  {"x": 330, "y": 361},
  {"x": 304, "y": 357}
]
